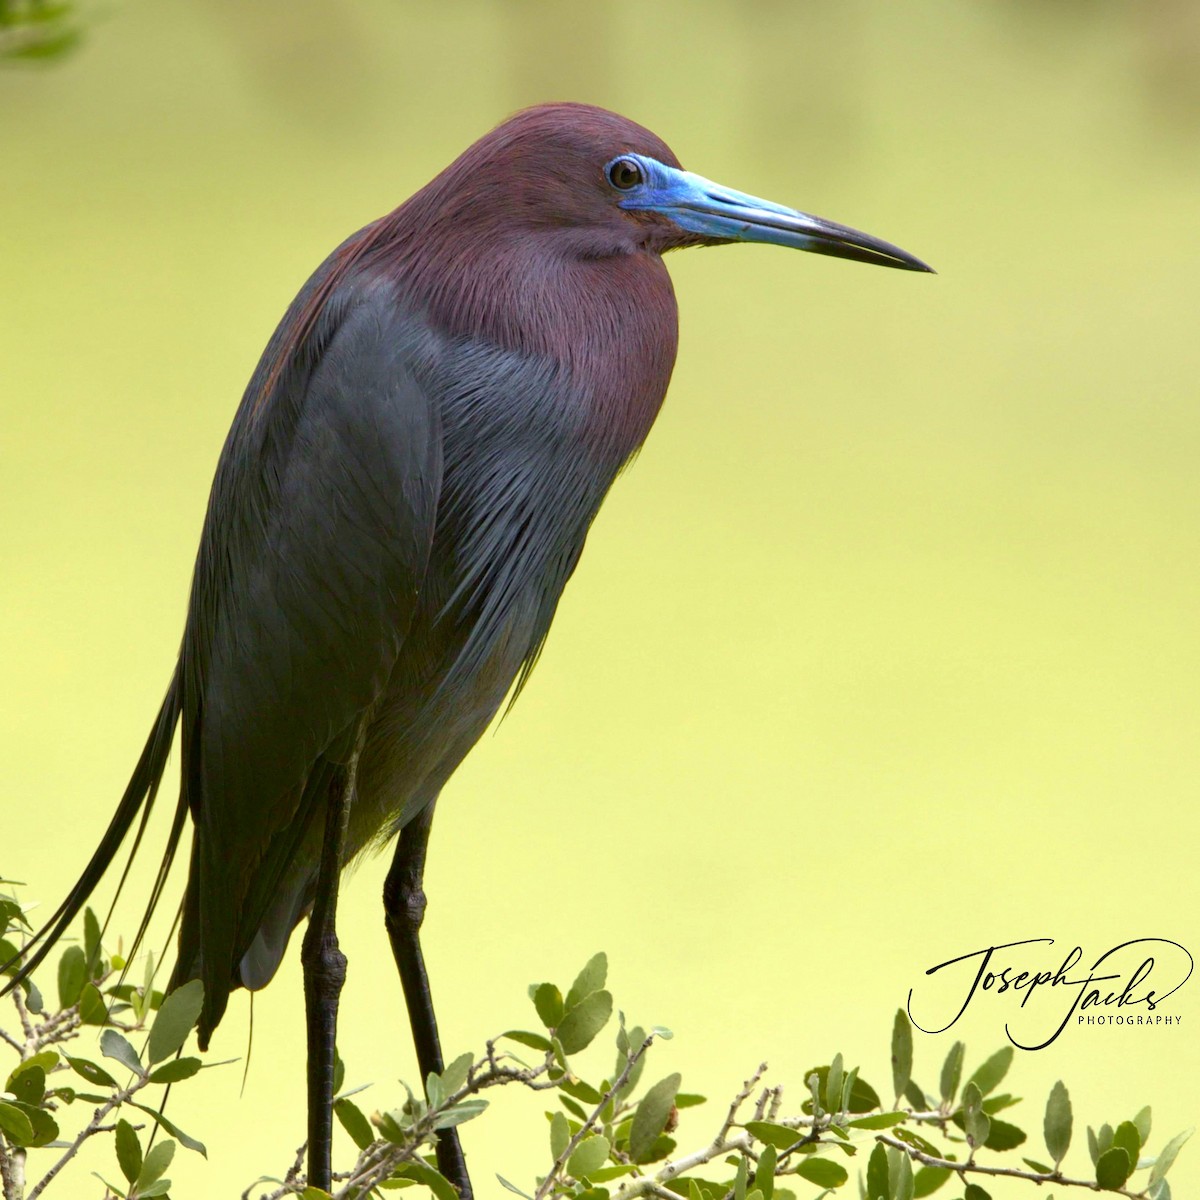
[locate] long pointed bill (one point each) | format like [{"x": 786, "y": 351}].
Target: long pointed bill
[{"x": 712, "y": 211}]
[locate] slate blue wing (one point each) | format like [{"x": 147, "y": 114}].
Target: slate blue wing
[{"x": 315, "y": 546}]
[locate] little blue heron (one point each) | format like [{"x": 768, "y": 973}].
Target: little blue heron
[{"x": 402, "y": 497}]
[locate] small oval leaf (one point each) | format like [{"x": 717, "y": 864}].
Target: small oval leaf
[
  {"x": 580, "y": 1026},
  {"x": 588, "y": 1156},
  {"x": 175, "y": 1020}
]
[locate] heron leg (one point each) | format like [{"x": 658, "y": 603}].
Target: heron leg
[
  {"x": 404, "y": 910},
  {"x": 324, "y": 973}
]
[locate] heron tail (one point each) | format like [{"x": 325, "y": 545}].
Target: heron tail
[{"x": 138, "y": 798}]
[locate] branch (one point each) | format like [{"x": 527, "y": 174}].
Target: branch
[{"x": 963, "y": 1169}]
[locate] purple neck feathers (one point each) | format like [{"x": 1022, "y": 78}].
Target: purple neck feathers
[{"x": 517, "y": 243}]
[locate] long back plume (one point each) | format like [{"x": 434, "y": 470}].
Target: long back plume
[{"x": 138, "y": 798}]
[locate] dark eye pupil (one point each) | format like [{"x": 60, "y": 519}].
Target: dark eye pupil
[{"x": 625, "y": 174}]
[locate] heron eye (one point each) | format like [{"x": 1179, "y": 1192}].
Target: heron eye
[{"x": 625, "y": 173}]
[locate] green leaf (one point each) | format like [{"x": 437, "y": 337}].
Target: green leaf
[
  {"x": 631, "y": 1043},
  {"x": 33, "y": 998},
  {"x": 913, "y": 1138},
  {"x": 902, "y": 1053},
  {"x": 580, "y": 1090},
  {"x": 1003, "y": 1136},
  {"x": 548, "y": 1001},
  {"x": 10, "y": 914},
  {"x": 46, "y": 1059},
  {"x": 457, "y": 1114},
  {"x": 770, "y": 1134},
  {"x": 45, "y": 1129},
  {"x": 535, "y": 1041},
  {"x": 1040, "y": 1168},
  {"x": 27, "y": 1083},
  {"x": 878, "y": 1186},
  {"x": 915, "y": 1097},
  {"x": 588, "y": 1156},
  {"x": 114, "y": 1046},
  {"x": 1113, "y": 1168},
  {"x": 176, "y": 1070},
  {"x": 878, "y": 1121},
  {"x": 158, "y": 1159},
  {"x": 92, "y": 1009},
  {"x": 91, "y": 1072},
  {"x": 129, "y": 1151},
  {"x": 9, "y": 953},
  {"x": 952, "y": 1072},
  {"x": 1126, "y": 1136},
  {"x": 989, "y": 1073},
  {"x": 72, "y": 975},
  {"x": 175, "y": 1020},
  {"x": 580, "y": 1026},
  {"x": 435, "y": 1181},
  {"x": 590, "y": 979},
  {"x": 764, "y": 1173},
  {"x": 91, "y": 942},
  {"x": 831, "y": 1092},
  {"x": 560, "y": 1135},
  {"x": 1142, "y": 1123},
  {"x": 975, "y": 1121},
  {"x": 455, "y": 1075},
  {"x": 354, "y": 1123},
  {"x": 190, "y": 1142},
  {"x": 927, "y": 1180},
  {"x": 653, "y": 1112},
  {"x": 603, "y": 1174},
  {"x": 159, "y": 1188},
  {"x": 900, "y": 1175},
  {"x": 824, "y": 1172},
  {"x": 863, "y": 1097},
  {"x": 15, "y": 1124},
  {"x": 1167, "y": 1155},
  {"x": 512, "y": 1187},
  {"x": 975, "y": 1192}
]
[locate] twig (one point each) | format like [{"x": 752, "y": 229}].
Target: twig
[
  {"x": 12, "y": 1172},
  {"x": 94, "y": 1126},
  {"x": 23, "y": 1013},
  {"x": 738, "y": 1100},
  {"x": 561, "y": 1161}
]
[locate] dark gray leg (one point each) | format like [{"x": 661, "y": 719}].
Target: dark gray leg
[
  {"x": 324, "y": 973},
  {"x": 404, "y": 910}
]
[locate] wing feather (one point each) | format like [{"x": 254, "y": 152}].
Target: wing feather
[{"x": 314, "y": 551}]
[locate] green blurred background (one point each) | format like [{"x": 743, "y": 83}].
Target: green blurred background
[{"x": 885, "y": 650}]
